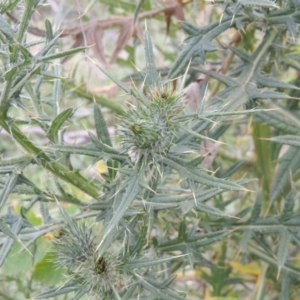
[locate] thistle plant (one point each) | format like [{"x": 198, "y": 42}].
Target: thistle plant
[{"x": 156, "y": 213}]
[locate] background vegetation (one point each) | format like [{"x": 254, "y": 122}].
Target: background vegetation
[{"x": 150, "y": 149}]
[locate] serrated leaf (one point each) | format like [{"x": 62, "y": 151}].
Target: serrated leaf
[
  {"x": 136, "y": 263},
  {"x": 101, "y": 146},
  {"x": 264, "y": 94},
  {"x": 198, "y": 43},
  {"x": 271, "y": 82},
  {"x": 71, "y": 225},
  {"x": 267, "y": 3},
  {"x": 45, "y": 213},
  {"x": 156, "y": 291},
  {"x": 6, "y": 29},
  {"x": 152, "y": 79},
  {"x": 288, "y": 164},
  {"x": 19, "y": 85},
  {"x": 8, "y": 242},
  {"x": 89, "y": 151},
  {"x": 210, "y": 210},
  {"x": 8, "y": 187},
  {"x": 282, "y": 120},
  {"x": 8, "y": 232},
  {"x": 201, "y": 177},
  {"x": 256, "y": 209},
  {"x": 210, "y": 238},
  {"x": 132, "y": 190},
  {"x": 10, "y": 6},
  {"x": 292, "y": 140},
  {"x": 283, "y": 248},
  {"x": 66, "y": 288},
  {"x": 101, "y": 127},
  {"x": 247, "y": 235},
  {"x": 289, "y": 203}
]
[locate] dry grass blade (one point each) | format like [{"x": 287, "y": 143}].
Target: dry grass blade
[{"x": 126, "y": 32}]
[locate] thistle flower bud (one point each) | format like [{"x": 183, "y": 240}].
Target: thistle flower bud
[
  {"x": 151, "y": 129},
  {"x": 75, "y": 250}
]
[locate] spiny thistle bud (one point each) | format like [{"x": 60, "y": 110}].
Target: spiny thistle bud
[
  {"x": 75, "y": 250},
  {"x": 151, "y": 129}
]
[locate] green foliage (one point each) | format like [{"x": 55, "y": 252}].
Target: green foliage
[{"x": 159, "y": 209}]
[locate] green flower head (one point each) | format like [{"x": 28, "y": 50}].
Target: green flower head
[{"x": 151, "y": 128}]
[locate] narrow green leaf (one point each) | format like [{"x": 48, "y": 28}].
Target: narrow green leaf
[
  {"x": 130, "y": 291},
  {"x": 241, "y": 54},
  {"x": 49, "y": 31},
  {"x": 283, "y": 248},
  {"x": 262, "y": 94},
  {"x": 136, "y": 263},
  {"x": 156, "y": 291},
  {"x": 14, "y": 160},
  {"x": 210, "y": 238},
  {"x": 74, "y": 149},
  {"x": 8, "y": 242},
  {"x": 132, "y": 190},
  {"x": 8, "y": 187},
  {"x": 198, "y": 43},
  {"x": 60, "y": 54},
  {"x": 68, "y": 287},
  {"x": 271, "y": 82},
  {"x": 71, "y": 225},
  {"x": 10, "y": 6},
  {"x": 285, "y": 286},
  {"x": 102, "y": 146},
  {"x": 57, "y": 123},
  {"x": 267, "y": 3},
  {"x": 34, "y": 98},
  {"x": 200, "y": 196},
  {"x": 201, "y": 177},
  {"x": 280, "y": 119},
  {"x": 247, "y": 235},
  {"x": 256, "y": 208},
  {"x": 288, "y": 164},
  {"x": 289, "y": 204},
  {"x": 292, "y": 140},
  {"x": 152, "y": 80},
  {"x": 45, "y": 213},
  {"x": 222, "y": 78},
  {"x": 101, "y": 127},
  {"x": 137, "y": 10},
  {"x": 17, "y": 87},
  {"x": 289, "y": 268},
  {"x": 210, "y": 210},
  {"x": 6, "y": 29},
  {"x": 115, "y": 293},
  {"x": 79, "y": 294},
  {"x": 7, "y": 231},
  {"x": 263, "y": 166}
]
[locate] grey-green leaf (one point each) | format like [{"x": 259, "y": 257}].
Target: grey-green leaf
[{"x": 58, "y": 122}]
